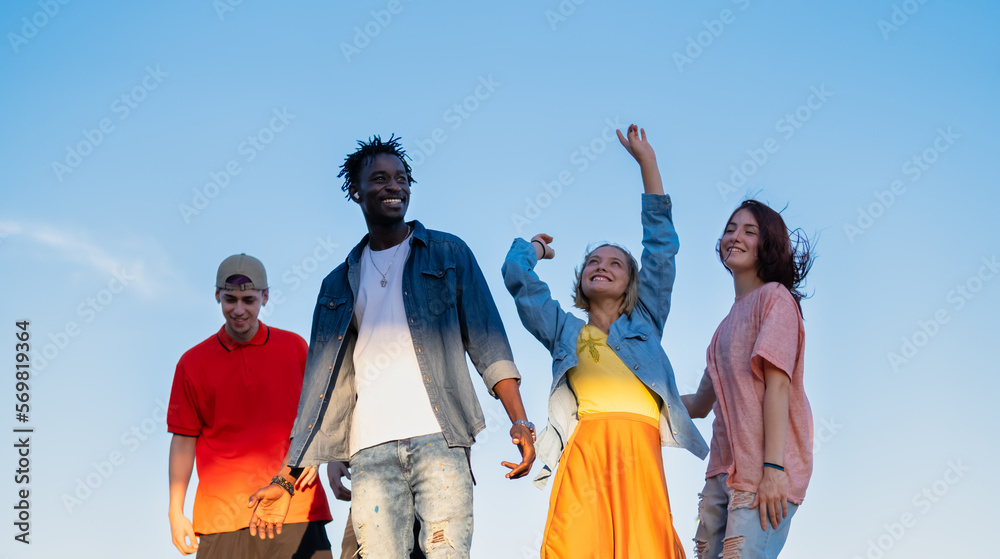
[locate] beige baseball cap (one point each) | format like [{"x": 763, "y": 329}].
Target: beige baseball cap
[{"x": 241, "y": 265}]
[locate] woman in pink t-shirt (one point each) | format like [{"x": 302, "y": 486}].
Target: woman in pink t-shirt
[{"x": 761, "y": 450}]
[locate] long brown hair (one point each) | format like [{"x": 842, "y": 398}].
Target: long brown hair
[{"x": 783, "y": 255}]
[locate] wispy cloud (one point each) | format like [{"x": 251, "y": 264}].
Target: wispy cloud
[
  {"x": 8, "y": 228},
  {"x": 74, "y": 245}
]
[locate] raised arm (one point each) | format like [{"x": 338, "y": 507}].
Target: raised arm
[
  {"x": 540, "y": 314},
  {"x": 639, "y": 148},
  {"x": 659, "y": 238}
]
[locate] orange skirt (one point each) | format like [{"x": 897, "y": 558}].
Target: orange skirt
[{"x": 609, "y": 497}]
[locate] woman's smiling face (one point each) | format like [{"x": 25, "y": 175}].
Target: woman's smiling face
[
  {"x": 605, "y": 274},
  {"x": 738, "y": 246}
]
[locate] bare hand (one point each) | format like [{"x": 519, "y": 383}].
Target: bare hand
[
  {"x": 772, "y": 498},
  {"x": 335, "y": 471},
  {"x": 637, "y": 148},
  {"x": 308, "y": 477},
  {"x": 182, "y": 531},
  {"x": 525, "y": 441},
  {"x": 271, "y": 504},
  {"x": 545, "y": 251}
]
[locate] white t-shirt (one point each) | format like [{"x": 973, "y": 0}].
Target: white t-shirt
[{"x": 392, "y": 400}]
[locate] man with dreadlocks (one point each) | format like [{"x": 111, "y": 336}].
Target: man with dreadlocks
[{"x": 386, "y": 385}]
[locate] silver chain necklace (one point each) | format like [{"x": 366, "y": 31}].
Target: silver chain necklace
[{"x": 384, "y": 281}]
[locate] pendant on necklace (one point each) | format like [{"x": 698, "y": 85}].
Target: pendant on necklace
[{"x": 383, "y": 282}]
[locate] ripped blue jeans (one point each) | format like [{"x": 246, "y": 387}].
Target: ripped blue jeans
[
  {"x": 420, "y": 477},
  {"x": 730, "y": 529}
]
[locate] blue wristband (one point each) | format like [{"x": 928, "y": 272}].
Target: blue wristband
[{"x": 775, "y": 466}]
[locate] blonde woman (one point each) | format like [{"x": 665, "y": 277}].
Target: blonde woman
[{"x": 613, "y": 398}]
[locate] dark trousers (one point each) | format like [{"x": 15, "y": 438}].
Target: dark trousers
[{"x": 301, "y": 540}]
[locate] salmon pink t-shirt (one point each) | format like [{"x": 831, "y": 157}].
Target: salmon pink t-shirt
[{"x": 762, "y": 326}]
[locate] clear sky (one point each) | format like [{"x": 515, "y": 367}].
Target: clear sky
[{"x": 144, "y": 142}]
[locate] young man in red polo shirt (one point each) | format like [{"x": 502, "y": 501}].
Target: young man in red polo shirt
[{"x": 212, "y": 419}]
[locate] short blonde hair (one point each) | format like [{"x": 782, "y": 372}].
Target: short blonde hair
[{"x": 581, "y": 301}]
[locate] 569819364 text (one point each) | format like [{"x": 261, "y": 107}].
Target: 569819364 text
[{"x": 22, "y": 432}]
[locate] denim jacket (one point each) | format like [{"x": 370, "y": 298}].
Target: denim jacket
[
  {"x": 635, "y": 339},
  {"x": 450, "y": 312}
]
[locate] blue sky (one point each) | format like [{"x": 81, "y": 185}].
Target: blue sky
[{"x": 143, "y": 143}]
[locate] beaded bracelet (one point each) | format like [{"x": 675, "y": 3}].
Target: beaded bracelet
[{"x": 283, "y": 483}]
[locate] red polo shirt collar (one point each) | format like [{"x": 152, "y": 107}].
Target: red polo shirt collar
[{"x": 260, "y": 338}]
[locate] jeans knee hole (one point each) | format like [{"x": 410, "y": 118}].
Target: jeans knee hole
[
  {"x": 700, "y": 548},
  {"x": 741, "y": 499},
  {"x": 732, "y": 548},
  {"x": 438, "y": 537}
]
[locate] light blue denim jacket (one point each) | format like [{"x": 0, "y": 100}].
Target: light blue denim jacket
[
  {"x": 450, "y": 312},
  {"x": 635, "y": 339}
]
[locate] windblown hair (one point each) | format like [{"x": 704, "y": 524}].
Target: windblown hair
[
  {"x": 783, "y": 255},
  {"x": 366, "y": 152},
  {"x": 581, "y": 301}
]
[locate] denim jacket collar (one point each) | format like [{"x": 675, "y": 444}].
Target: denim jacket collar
[{"x": 419, "y": 233}]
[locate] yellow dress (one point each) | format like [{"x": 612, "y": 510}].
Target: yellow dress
[{"x": 609, "y": 497}]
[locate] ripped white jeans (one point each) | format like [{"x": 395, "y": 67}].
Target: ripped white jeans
[{"x": 421, "y": 476}]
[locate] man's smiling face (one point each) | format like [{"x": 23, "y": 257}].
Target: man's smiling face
[
  {"x": 241, "y": 309},
  {"x": 383, "y": 190}
]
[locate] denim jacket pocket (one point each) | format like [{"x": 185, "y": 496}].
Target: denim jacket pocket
[
  {"x": 439, "y": 288},
  {"x": 640, "y": 331},
  {"x": 329, "y": 311}
]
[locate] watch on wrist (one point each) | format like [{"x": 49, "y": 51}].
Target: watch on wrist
[{"x": 528, "y": 424}]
